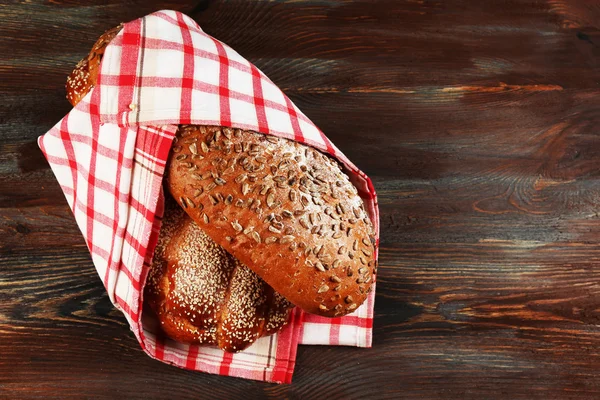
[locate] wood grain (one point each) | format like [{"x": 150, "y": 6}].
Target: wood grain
[{"x": 478, "y": 122}]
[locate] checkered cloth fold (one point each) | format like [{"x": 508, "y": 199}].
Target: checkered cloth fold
[{"x": 109, "y": 155}]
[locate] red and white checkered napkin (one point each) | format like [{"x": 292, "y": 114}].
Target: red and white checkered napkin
[{"x": 109, "y": 154}]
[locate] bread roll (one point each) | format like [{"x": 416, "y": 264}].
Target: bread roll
[
  {"x": 201, "y": 294},
  {"x": 280, "y": 207}
]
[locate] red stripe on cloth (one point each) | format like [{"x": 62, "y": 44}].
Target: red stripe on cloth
[
  {"x": 298, "y": 333},
  {"x": 190, "y": 362},
  {"x": 225, "y": 363},
  {"x": 223, "y": 84},
  {"x": 134, "y": 243},
  {"x": 134, "y": 281},
  {"x": 142, "y": 209},
  {"x": 91, "y": 180},
  {"x": 287, "y": 345},
  {"x": 298, "y": 136},
  {"x": 130, "y": 46},
  {"x": 371, "y": 188},
  {"x": 259, "y": 101},
  {"x": 117, "y": 233},
  {"x": 54, "y": 160},
  {"x": 159, "y": 351},
  {"x": 369, "y": 321},
  {"x": 187, "y": 84},
  {"x": 361, "y": 322},
  {"x": 68, "y": 146},
  {"x": 97, "y": 251},
  {"x": 125, "y": 307},
  {"x": 67, "y": 190},
  {"x": 334, "y": 331}
]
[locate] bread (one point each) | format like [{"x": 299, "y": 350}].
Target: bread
[
  {"x": 280, "y": 207},
  {"x": 83, "y": 78},
  {"x": 201, "y": 294}
]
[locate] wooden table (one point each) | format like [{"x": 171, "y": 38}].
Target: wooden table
[{"x": 479, "y": 124}]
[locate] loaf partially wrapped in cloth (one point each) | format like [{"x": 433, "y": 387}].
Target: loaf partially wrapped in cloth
[{"x": 109, "y": 155}]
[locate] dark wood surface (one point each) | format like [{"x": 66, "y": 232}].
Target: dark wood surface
[{"x": 479, "y": 122}]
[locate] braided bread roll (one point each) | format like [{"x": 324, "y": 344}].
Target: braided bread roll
[{"x": 201, "y": 294}]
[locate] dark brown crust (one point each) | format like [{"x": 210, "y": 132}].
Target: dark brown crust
[
  {"x": 201, "y": 294},
  {"x": 282, "y": 208}
]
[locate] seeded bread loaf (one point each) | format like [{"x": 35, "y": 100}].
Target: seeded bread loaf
[
  {"x": 201, "y": 294},
  {"x": 280, "y": 207}
]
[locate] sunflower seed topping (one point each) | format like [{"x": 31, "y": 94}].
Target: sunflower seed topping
[
  {"x": 254, "y": 235},
  {"x": 270, "y": 200},
  {"x": 286, "y": 239},
  {"x": 241, "y": 178},
  {"x": 323, "y": 289},
  {"x": 236, "y": 226},
  {"x": 245, "y": 188}
]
